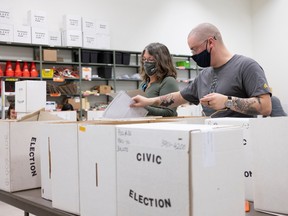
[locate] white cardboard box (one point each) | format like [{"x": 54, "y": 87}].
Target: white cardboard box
[
  {"x": 45, "y": 154},
  {"x": 37, "y": 18},
  {"x": 27, "y": 99},
  {"x": 39, "y": 35},
  {"x": 6, "y": 33},
  {"x": 6, "y": 15},
  {"x": 19, "y": 156},
  {"x": 64, "y": 162},
  {"x": 94, "y": 115},
  {"x": 97, "y": 166},
  {"x": 67, "y": 168},
  {"x": 72, "y": 22},
  {"x": 54, "y": 38},
  {"x": 102, "y": 27},
  {"x": 98, "y": 163},
  {"x": 67, "y": 115},
  {"x": 72, "y": 38},
  {"x": 88, "y": 24},
  {"x": 97, "y": 169},
  {"x": 164, "y": 169},
  {"x": 89, "y": 39},
  {"x": 248, "y": 172},
  {"x": 270, "y": 140},
  {"x": 102, "y": 41},
  {"x": 22, "y": 34}
]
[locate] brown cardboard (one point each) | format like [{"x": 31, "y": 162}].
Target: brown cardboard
[
  {"x": 75, "y": 103},
  {"x": 104, "y": 89},
  {"x": 49, "y": 55}
]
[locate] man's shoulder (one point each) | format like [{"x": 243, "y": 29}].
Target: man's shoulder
[{"x": 242, "y": 58}]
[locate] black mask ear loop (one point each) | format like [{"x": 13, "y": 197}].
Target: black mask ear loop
[{"x": 214, "y": 37}]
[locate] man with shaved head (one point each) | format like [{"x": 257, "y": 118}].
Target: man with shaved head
[{"x": 229, "y": 85}]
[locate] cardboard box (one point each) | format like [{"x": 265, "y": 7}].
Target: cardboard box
[
  {"x": 64, "y": 162},
  {"x": 37, "y": 18},
  {"x": 104, "y": 89},
  {"x": 103, "y": 176},
  {"x": 26, "y": 98},
  {"x": 20, "y": 153},
  {"x": 19, "y": 156},
  {"x": 164, "y": 169},
  {"x": 22, "y": 34},
  {"x": 97, "y": 165},
  {"x": 72, "y": 38},
  {"x": 270, "y": 138},
  {"x": 6, "y": 33},
  {"x": 39, "y": 35},
  {"x": 103, "y": 41},
  {"x": 72, "y": 22},
  {"x": 248, "y": 171},
  {"x": 49, "y": 55},
  {"x": 6, "y": 15},
  {"x": 54, "y": 38},
  {"x": 88, "y": 24},
  {"x": 67, "y": 115},
  {"x": 87, "y": 73},
  {"x": 102, "y": 27},
  {"x": 189, "y": 110},
  {"x": 46, "y": 156},
  {"x": 75, "y": 102},
  {"x": 89, "y": 39},
  {"x": 94, "y": 115}
]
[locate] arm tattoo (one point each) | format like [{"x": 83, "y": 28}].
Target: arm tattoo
[
  {"x": 166, "y": 100},
  {"x": 247, "y": 106}
]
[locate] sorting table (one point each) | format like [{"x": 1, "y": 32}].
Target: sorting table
[{"x": 30, "y": 201}]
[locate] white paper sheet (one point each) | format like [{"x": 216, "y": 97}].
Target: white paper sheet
[{"x": 120, "y": 108}]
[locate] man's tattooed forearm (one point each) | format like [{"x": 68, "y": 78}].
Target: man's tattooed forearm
[
  {"x": 247, "y": 106},
  {"x": 166, "y": 100}
]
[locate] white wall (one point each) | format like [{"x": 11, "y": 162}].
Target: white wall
[
  {"x": 270, "y": 33},
  {"x": 135, "y": 23}
]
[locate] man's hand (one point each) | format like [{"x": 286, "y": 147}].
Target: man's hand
[
  {"x": 214, "y": 101},
  {"x": 140, "y": 101}
]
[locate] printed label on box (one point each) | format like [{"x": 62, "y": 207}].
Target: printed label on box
[
  {"x": 6, "y": 33},
  {"x": 5, "y": 16}
]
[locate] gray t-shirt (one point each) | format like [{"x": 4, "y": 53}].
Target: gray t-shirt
[{"x": 240, "y": 77}]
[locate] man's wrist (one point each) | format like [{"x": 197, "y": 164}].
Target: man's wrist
[{"x": 229, "y": 102}]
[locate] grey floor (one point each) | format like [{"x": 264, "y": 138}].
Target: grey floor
[{"x": 8, "y": 210}]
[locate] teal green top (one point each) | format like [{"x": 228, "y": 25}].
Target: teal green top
[{"x": 168, "y": 85}]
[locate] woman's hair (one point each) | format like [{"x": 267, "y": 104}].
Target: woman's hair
[
  {"x": 11, "y": 107},
  {"x": 164, "y": 63},
  {"x": 67, "y": 106}
]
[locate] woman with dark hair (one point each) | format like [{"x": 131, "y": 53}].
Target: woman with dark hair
[
  {"x": 11, "y": 114},
  {"x": 159, "y": 76},
  {"x": 67, "y": 106}
]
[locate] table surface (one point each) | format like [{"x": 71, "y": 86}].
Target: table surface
[{"x": 32, "y": 202}]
